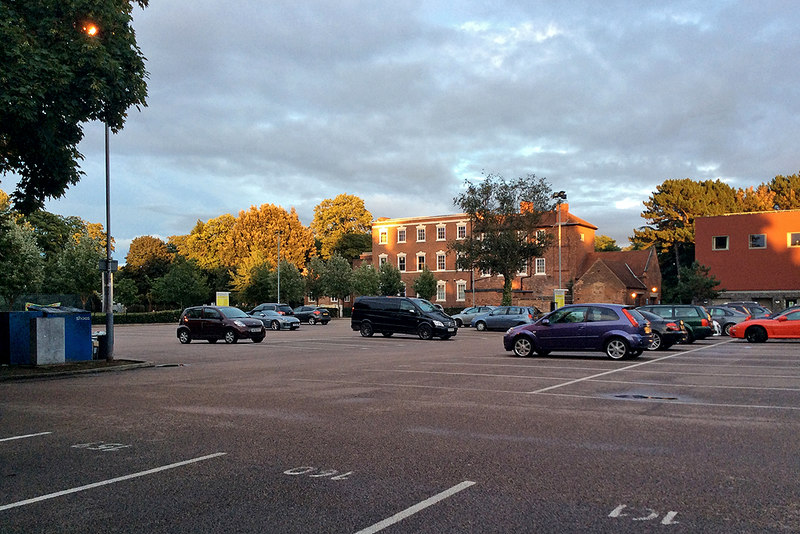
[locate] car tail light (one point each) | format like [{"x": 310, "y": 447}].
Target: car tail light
[
  {"x": 748, "y": 317},
  {"x": 704, "y": 322},
  {"x": 316, "y": 312},
  {"x": 633, "y": 321},
  {"x": 672, "y": 327}
]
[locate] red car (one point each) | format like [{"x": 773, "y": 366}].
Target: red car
[{"x": 785, "y": 325}]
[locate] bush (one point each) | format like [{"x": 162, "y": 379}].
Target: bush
[{"x": 167, "y": 316}]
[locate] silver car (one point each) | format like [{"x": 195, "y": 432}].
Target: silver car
[
  {"x": 276, "y": 321},
  {"x": 725, "y": 317},
  {"x": 465, "y": 316}
]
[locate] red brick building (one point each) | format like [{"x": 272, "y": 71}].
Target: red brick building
[
  {"x": 411, "y": 243},
  {"x": 755, "y": 256},
  {"x": 629, "y": 277}
]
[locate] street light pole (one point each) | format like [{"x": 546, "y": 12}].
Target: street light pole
[
  {"x": 279, "y": 267},
  {"x": 108, "y": 273}
]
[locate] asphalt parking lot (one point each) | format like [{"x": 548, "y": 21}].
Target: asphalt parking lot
[{"x": 320, "y": 430}]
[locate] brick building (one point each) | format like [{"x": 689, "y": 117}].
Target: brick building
[
  {"x": 628, "y": 277},
  {"x": 755, "y": 256},
  {"x": 411, "y": 243}
]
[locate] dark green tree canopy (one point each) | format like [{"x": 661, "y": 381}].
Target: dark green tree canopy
[{"x": 56, "y": 75}]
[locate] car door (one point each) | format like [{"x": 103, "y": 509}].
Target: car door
[
  {"x": 497, "y": 318},
  {"x": 599, "y": 320},
  {"x": 565, "y": 329},
  {"x": 790, "y": 328},
  {"x": 406, "y": 317},
  {"x": 212, "y": 324}
]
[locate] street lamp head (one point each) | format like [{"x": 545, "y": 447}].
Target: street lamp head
[
  {"x": 560, "y": 195},
  {"x": 90, "y": 29}
]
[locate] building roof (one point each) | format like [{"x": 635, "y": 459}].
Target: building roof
[{"x": 629, "y": 266}]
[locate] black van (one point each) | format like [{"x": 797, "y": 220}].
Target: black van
[{"x": 389, "y": 315}]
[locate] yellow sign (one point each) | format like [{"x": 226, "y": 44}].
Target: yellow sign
[
  {"x": 223, "y": 298},
  {"x": 560, "y": 296}
]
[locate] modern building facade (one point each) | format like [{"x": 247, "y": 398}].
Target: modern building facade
[
  {"x": 755, "y": 256},
  {"x": 412, "y": 243}
]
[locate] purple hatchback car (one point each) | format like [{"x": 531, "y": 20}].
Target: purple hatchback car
[{"x": 618, "y": 330}]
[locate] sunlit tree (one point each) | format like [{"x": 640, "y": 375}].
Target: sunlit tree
[{"x": 337, "y": 217}]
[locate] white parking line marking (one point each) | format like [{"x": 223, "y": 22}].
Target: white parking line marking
[
  {"x": 408, "y": 512},
  {"x": 584, "y": 379},
  {"x": 25, "y": 436},
  {"x": 106, "y": 482}
]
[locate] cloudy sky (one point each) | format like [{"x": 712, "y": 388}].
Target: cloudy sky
[{"x": 290, "y": 103}]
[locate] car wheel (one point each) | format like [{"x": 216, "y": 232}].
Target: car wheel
[
  {"x": 184, "y": 337},
  {"x": 656, "y": 343},
  {"x": 689, "y": 339},
  {"x": 756, "y": 334},
  {"x": 230, "y": 337},
  {"x": 425, "y": 331},
  {"x": 387, "y": 334},
  {"x": 366, "y": 329},
  {"x": 727, "y": 329},
  {"x": 459, "y": 323},
  {"x": 444, "y": 337},
  {"x": 480, "y": 326},
  {"x": 311, "y": 320},
  {"x": 258, "y": 339},
  {"x": 275, "y": 325},
  {"x": 616, "y": 348},
  {"x": 665, "y": 346},
  {"x": 523, "y": 347}
]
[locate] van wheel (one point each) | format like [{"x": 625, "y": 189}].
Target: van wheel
[
  {"x": 366, "y": 329},
  {"x": 387, "y": 334},
  {"x": 425, "y": 331}
]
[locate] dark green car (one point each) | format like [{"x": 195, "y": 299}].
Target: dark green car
[{"x": 695, "y": 318}]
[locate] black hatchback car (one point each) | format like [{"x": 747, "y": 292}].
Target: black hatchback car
[
  {"x": 312, "y": 314},
  {"x": 218, "y": 322}
]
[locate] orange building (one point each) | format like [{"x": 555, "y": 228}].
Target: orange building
[
  {"x": 755, "y": 256},
  {"x": 411, "y": 243}
]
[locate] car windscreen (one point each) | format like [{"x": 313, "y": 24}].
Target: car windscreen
[
  {"x": 424, "y": 305},
  {"x": 636, "y": 315},
  {"x": 232, "y": 313}
]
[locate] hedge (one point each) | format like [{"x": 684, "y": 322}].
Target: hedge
[{"x": 167, "y": 316}]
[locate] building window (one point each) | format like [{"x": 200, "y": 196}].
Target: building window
[
  {"x": 383, "y": 258},
  {"x": 401, "y": 262},
  {"x": 334, "y": 299},
  {"x": 401, "y": 235},
  {"x": 541, "y": 236},
  {"x": 461, "y": 290},
  {"x": 719, "y": 242},
  {"x": 461, "y": 231},
  {"x": 441, "y": 291},
  {"x": 440, "y": 261},
  {"x": 793, "y": 239},
  {"x": 524, "y": 270},
  {"x": 383, "y": 236},
  {"x": 420, "y": 262},
  {"x": 758, "y": 241},
  {"x": 539, "y": 266},
  {"x": 583, "y": 237},
  {"x": 421, "y": 233},
  {"x": 441, "y": 233}
]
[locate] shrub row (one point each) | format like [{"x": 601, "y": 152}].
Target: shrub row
[{"x": 167, "y": 316}]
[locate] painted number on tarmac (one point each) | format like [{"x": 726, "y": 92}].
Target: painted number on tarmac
[
  {"x": 643, "y": 514},
  {"x": 314, "y": 472},
  {"x": 101, "y": 446}
]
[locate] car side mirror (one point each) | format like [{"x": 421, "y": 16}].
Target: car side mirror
[
  {"x": 546, "y": 322},
  {"x": 782, "y": 319}
]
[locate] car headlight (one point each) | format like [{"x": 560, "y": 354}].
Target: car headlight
[
  {"x": 239, "y": 323},
  {"x": 438, "y": 323}
]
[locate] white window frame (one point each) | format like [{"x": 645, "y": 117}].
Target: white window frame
[
  {"x": 524, "y": 270},
  {"x": 540, "y": 265},
  {"x": 421, "y": 255},
  {"x": 714, "y": 242},
  {"x": 403, "y": 238},
  {"x": 383, "y": 236},
  {"x": 789, "y": 236},
  {"x": 441, "y": 291},
  {"x": 461, "y": 231},
  {"x": 402, "y": 256},
  {"x": 441, "y": 261},
  {"x": 461, "y": 290},
  {"x": 421, "y": 232},
  {"x": 441, "y": 232},
  {"x": 383, "y": 258}
]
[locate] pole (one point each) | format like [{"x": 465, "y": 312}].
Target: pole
[
  {"x": 108, "y": 279},
  {"x": 279, "y": 267},
  {"x": 558, "y": 206}
]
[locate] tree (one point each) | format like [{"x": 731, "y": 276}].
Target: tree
[
  {"x": 315, "y": 287},
  {"x": 148, "y": 259},
  {"x": 366, "y": 280},
  {"x": 292, "y": 284},
  {"x": 53, "y": 232},
  {"x": 787, "y": 191},
  {"x": 183, "y": 285},
  {"x": 425, "y": 284},
  {"x": 504, "y": 216},
  {"x": 76, "y": 269},
  {"x": 604, "y": 243},
  {"x": 253, "y": 280},
  {"x": 333, "y": 218},
  {"x": 338, "y": 279},
  {"x": 21, "y": 263},
  {"x": 351, "y": 245},
  {"x": 391, "y": 282},
  {"x": 125, "y": 291},
  {"x": 57, "y": 74},
  {"x": 206, "y": 242},
  {"x": 696, "y": 285}
]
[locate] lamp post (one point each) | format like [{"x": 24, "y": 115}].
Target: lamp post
[
  {"x": 560, "y": 195},
  {"x": 279, "y": 266},
  {"x": 107, "y": 266}
]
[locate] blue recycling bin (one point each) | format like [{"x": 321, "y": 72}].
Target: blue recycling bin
[
  {"x": 77, "y": 330},
  {"x": 15, "y": 337}
]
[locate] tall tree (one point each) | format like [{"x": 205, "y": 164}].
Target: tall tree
[
  {"x": 76, "y": 268},
  {"x": 787, "y": 191},
  {"x": 604, "y": 243},
  {"x": 351, "y": 245},
  {"x": 338, "y": 279},
  {"x": 696, "y": 285},
  {"x": 334, "y": 218},
  {"x": 21, "y": 263},
  {"x": 425, "y": 284},
  {"x": 504, "y": 216},
  {"x": 292, "y": 284},
  {"x": 65, "y": 62},
  {"x": 184, "y": 285},
  {"x": 366, "y": 280},
  {"x": 206, "y": 242},
  {"x": 315, "y": 287}
]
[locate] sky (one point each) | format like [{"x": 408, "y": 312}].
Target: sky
[{"x": 290, "y": 103}]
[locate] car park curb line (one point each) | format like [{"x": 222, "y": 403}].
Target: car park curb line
[{"x": 32, "y": 373}]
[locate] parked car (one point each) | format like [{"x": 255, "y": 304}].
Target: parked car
[
  {"x": 785, "y": 325},
  {"x": 390, "y": 315},
  {"x": 666, "y": 332},
  {"x": 283, "y": 309},
  {"x": 619, "y": 331},
  {"x": 726, "y": 317},
  {"x": 218, "y": 322},
  {"x": 749, "y": 307},
  {"x": 275, "y": 321},
  {"x": 465, "y": 316},
  {"x": 504, "y": 317},
  {"x": 312, "y": 314},
  {"x": 695, "y": 318}
]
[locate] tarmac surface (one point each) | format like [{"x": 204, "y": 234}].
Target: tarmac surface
[{"x": 321, "y": 430}]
